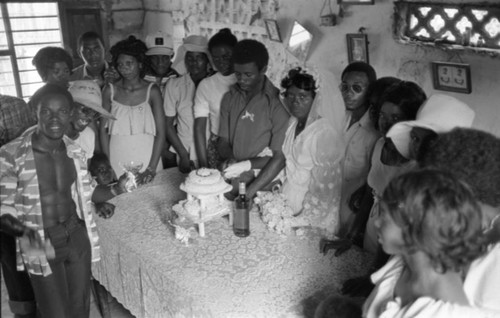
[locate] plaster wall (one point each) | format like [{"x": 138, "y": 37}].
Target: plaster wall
[{"x": 328, "y": 49}]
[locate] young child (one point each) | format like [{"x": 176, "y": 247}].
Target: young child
[
  {"x": 430, "y": 222},
  {"x": 100, "y": 169}
]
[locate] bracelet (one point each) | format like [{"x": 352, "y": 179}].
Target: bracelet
[{"x": 150, "y": 170}]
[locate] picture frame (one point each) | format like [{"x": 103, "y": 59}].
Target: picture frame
[
  {"x": 361, "y": 2},
  {"x": 273, "y": 30},
  {"x": 452, "y": 77},
  {"x": 357, "y": 48}
]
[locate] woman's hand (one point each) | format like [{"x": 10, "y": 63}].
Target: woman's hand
[
  {"x": 146, "y": 177},
  {"x": 105, "y": 209}
]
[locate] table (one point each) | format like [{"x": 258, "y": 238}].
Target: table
[{"x": 219, "y": 275}]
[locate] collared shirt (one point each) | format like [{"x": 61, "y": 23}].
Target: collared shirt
[
  {"x": 208, "y": 97},
  {"x": 15, "y": 118},
  {"x": 81, "y": 73},
  {"x": 253, "y": 126},
  {"x": 161, "y": 81},
  {"x": 360, "y": 139},
  {"x": 178, "y": 103},
  {"x": 20, "y": 196}
]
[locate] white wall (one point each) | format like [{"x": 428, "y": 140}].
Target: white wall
[{"x": 329, "y": 47}]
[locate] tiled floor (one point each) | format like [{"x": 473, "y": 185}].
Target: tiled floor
[{"x": 116, "y": 309}]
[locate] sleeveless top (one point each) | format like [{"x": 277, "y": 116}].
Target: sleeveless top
[{"x": 132, "y": 120}]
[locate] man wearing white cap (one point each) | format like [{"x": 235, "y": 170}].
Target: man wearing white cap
[
  {"x": 179, "y": 99},
  {"x": 88, "y": 108},
  {"x": 439, "y": 114},
  {"x": 160, "y": 53}
]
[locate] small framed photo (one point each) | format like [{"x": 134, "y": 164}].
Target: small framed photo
[
  {"x": 356, "y": 1},
  {"x": 273, "y": 30},
  {"x": 357, "y": 47},
  {"x": 453, "y": 77}
]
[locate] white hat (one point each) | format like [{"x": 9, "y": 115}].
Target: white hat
[
  {"x": 159, "y": 43},
  {"x": 192, "y": 43},
  {"x": 88, "y": 93},
  {"x": 440, "y": 113}
]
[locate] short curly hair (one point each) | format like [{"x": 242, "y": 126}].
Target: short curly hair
[
  {"x": 470, "y": 154},
  {"x": 296, "y": 77},
  {"x": 223, "y": 37},
  {"x": 251, "y": 51},
  {"x": 361, "y": 67},
  {"x": 133, "y": 47},
  {"x": 408, "y": 96},
  {"x": 374, "y": 96},
  {"x": 438, "y": 215},
  {"x": 96, "y": 160},
  {"x": 46, "y": 57}
]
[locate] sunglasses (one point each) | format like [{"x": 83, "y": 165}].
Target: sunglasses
[{"x": 355, "y": 88}]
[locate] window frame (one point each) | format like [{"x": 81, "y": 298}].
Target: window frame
[{"x": 401, "y": 25}]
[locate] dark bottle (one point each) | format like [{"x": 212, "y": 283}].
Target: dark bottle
[{"x": 241, "y": 217}]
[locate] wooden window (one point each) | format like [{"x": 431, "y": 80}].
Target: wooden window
[
  {"x": 465, "y": 25},
  {"x": 24, "y": 29}
]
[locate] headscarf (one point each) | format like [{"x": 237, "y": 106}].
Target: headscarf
[{"x": 192, "y": 43}]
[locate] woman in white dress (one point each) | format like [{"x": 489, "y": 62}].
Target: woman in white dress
[
  {"x": 138, "y": 133},
  {"x": 313, "y": 148}
]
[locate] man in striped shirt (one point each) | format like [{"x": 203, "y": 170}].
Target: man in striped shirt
[{"x": 45, "y": 196}]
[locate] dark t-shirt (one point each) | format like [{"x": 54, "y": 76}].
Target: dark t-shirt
[{"x": 252, "y": 127}]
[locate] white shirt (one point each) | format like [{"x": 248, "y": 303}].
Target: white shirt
[
  {"x": 482, "y": 283},
  {"x": 86, "y": 141},
  {"x": 208, "y": 97},
  {"x": 360, "y": 139},
  {"x": 178, "y": 103},
  {"x": 382, "y": 304}
]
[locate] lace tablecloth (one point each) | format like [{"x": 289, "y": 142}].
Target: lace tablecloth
[{"x": 220, "y": 275}]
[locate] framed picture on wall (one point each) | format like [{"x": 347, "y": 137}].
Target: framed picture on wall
[
  {"x": 273, "y": 31},
  {"x": 357, "y": 47},
  {"x": 356, "y": 1},
  {"x": 453, "y": 77}
]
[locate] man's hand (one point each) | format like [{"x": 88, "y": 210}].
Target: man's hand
[
  {"x": 184, "y": 164},
  {"x": 356, "y": 198},
  {"x": 111, "y": 75},
  {"x": 234, "y": 170},
  {"x": 340, "y": 245},
  {"x": 105, "y": 209},
  {"x": 32, "y": 246},
  {"x": 358, "y": 286},
  {"x": 145, "y": 177}
]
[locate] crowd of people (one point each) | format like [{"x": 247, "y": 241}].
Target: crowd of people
[{"x": 374, "y": 162}]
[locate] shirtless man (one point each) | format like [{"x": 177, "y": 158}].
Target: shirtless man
[{"x": 45, "y": 195}]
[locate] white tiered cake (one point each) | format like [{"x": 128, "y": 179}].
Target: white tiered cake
[{"x": 205, "y": 190}]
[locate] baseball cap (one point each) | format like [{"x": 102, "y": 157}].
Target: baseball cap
[
  {"x": 440, "y": 113},
  {"x": 159, "y": 43},
  {"x": 88, "y": 93}
]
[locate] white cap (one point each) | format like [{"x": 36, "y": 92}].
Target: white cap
[
  {"x": 159, "y": 43},
  {"x": 88, "y": 93},
  {"x": 440, "y": 113}
]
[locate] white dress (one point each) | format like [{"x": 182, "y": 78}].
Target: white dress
[
  {"x": 313, "y": 173},
  {"x": 132, "y": 134},
  {"x": 378, "y": 178}
]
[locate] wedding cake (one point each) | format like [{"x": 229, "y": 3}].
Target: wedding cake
[{"x": 205, "y": 190}]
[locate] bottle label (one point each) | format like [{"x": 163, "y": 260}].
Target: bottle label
[{"x": 241, "y": 219}]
